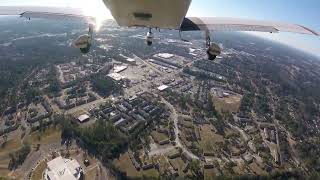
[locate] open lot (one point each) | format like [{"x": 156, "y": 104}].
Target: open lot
[
  {"x": 50, "y": 135},
  {"x": 125, "y": 165},
  {"x": 92, "y": 173},
  {"x": 11, "y": 145},
  {"x": 209, "y": 174},
  {"x": 178, "y": 162},
  {"x": 256, "y": 169},
  {"x": 39, "y": 170},
  {"x": 230, "y": 103},
  {"x": 150, "y": 173},
  {"x": 164, "y": 164},
  {"x": 209, "y": 139},
  {"x": 158, "y": 137},
  {"x": 187, "y": 124},
  {"x": 240, "y": 169}
]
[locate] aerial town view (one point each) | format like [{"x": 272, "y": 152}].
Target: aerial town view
[{"x": 129, "y": 111}]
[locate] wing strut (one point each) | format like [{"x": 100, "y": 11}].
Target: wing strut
[
  {"x": 208, "y": 40},
  {"x": 182, "y": 39},
  {"x": 213, "y": 49}
]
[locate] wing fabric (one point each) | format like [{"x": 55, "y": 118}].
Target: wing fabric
[
  {"x": 236, "y": 24},
  {"x": 46, "y": 12}
]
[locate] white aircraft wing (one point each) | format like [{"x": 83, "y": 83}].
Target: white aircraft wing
[
  {"x": 237, "y": 24},
  {"x": 46, "y": 13}
]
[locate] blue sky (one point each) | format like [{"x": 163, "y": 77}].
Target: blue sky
[{"x": 304, "y": 12}]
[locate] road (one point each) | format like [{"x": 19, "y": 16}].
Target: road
[
  {"x": 149, "y": 65},
  {"x": 35, "y": 157},
  {"x": 174, "y": 116},
  {"x": 61, "y": 78},
  {"x": 243, "y": 134},
  {"x": 87, "y": 106}
]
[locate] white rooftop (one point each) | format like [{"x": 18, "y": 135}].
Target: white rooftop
[
  {"x": 165, "y": 55},
  {"x": 226, "y": 94},
  {"x": 118, "y": 69},
  {"x": 116, "y": 76},
  {"x": 119, "y": 122},
  {"x": 131, "y": 60},
  {"x": 83, "y": 117},
  {"x": 191, "y": 50},
  {"x": 63, "y": 169},
  {"x": 163, "y": 87}
]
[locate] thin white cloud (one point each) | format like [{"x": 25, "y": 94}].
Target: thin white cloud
[{"x": 306, "y": 43}]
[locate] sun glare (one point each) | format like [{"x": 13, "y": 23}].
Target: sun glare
[
  {"x": 94, "y": 8},
  {"x": 97, "y": 10}
]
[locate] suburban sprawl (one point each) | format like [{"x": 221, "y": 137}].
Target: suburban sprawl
[{"x": 128, "y": 111}]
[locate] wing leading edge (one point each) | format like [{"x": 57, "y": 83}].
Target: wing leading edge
[
  {"x": 237, "y": 24},
  {"x": 46, "y": 13}
]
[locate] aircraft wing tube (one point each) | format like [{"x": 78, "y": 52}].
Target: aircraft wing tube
[{"x": 237, "y": 24}]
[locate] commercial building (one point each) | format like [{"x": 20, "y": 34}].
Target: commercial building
[
  {"x": 63, "y": 169},
  {"x": 118, "y": 69},
  {"x": 83, "y": 118},
  {"x": 165, "y": 55},
  {"x": 163, "y": 87},
  {"x": 131, "y": 61},
  {"x": 116, "y": 76}
]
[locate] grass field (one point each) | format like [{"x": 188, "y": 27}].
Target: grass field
[
  {"x": 209, "y": 139},
  {"x": 49, "y": 136},
  {"x": 159, "y": 136},
  {"x": 256, "y": 169},
  {"x": 12, "y": 145},
  {"x": 150, "y": 173},
  {"x": 37, "y": 173},
  {"x": 178, "y": 162},
  {"x": 125, "y": 165},
  {"x": 209, "y": 174},
  {"x": 230, "y": 132},
  {"x": 186, "y": 124},
  {"x": 163, "y": 163},
  {"x": 240, "y": 169},
  {"x": 4, "y": 171},
  {"x": 231, "y": 103},
  {"x": 91, "y": 174}
]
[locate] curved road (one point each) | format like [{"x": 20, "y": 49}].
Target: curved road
[{"x": 174, "y": 116}]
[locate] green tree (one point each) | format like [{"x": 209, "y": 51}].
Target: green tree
[{"x": 195, "y": 168}]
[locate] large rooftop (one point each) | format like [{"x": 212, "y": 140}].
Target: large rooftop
[
  {"x": 63, "y": 169},
  {"x": 163, "y": 87},
  {"x": 116, "y": 76},
  {"x": 165, "y": 55},
  {"x": 83, "y": 117},
  {"x": 118, "y": 69}
]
